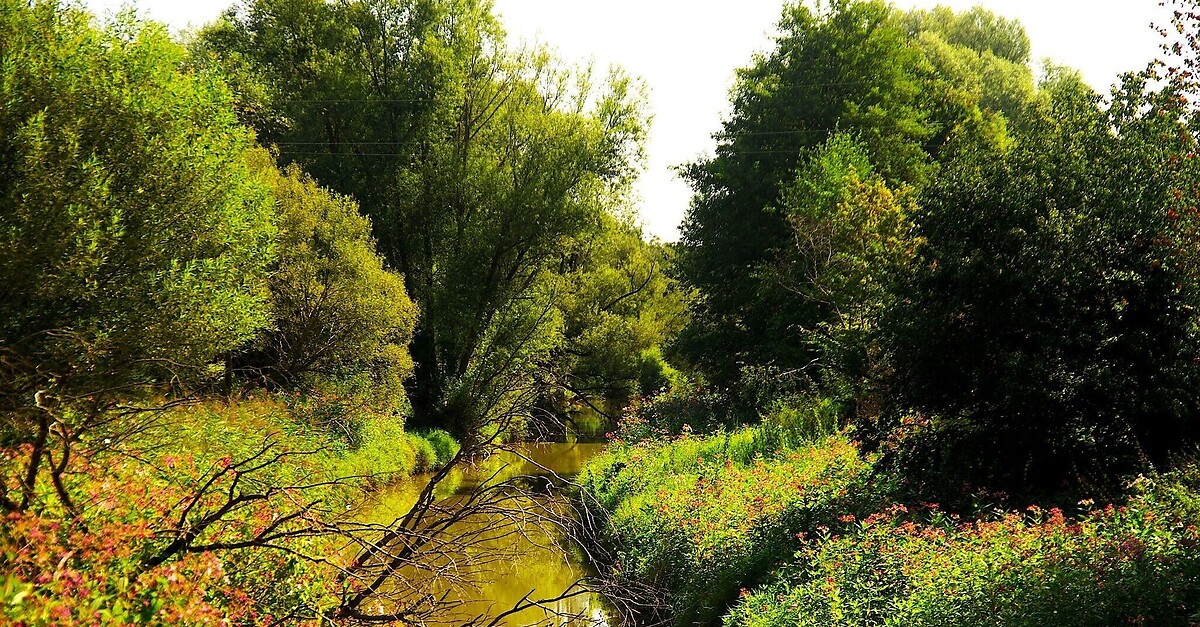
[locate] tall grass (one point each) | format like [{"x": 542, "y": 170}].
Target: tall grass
[{"x": 703, "y": 518}]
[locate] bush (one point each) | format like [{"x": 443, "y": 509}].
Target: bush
[
  {"x": 387, "y": 453},
  {"x": 801, "y": 422},
  {"x": 654, "y": 373},
  {"x": 444, "y": 445},
  {"x": 678, "y": 410},
  {"x": 424, "y": 455},
  {"x": 62, "y": 570},
  {"x": 340, "y": 318},
  {"x": 134, "y": 240},
  {"x": 1049, "y": 324},
  {"x": 1134, "y": 565}
]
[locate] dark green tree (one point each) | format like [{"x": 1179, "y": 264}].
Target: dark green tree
[
  {"x": 900, "y": 86},
  {"x": 1048, "y": 331},
  {"x": 847, "y": 67}
]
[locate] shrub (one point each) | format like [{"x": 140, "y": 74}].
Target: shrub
[
  {"x": 654, "y": 373},
  {"x": 134, "y": 240},
  {"x": 387, "y": 452},
  {"x": 424, "y": 455},
  {"x": 75, "y": 574},
  {"x": 340, "y": 318},
  {"x": 444, "y": 445},
  {"x": 1134, "y": 565},
  {"x": 801, "y": 422},
  {"x": 678, "y": 410},
  {"x": 96, "y": 569}
]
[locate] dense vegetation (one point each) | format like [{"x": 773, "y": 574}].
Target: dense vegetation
[
  {"x": 942, "y": 357},
  {"x": 221, "y": 257},
  {"x": 926, "y": 353},
  {"x": 494, "y": 180}
]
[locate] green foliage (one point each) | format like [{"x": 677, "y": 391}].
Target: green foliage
[
  {"x": 845, "y": 67},
  {"x": 703, "y": 518},
  {"x": 420, "y": 112},
  {"x": 852, "y": 240},
  {"x": 133, "y": 237},
  {"x": 654, "y": 374},
  {"x": 800, "y": 422},
  {"x": 425, "y": 457},
  {"x": 444, "y": 445},
  {"x": 619, "y": 307},
  {"x": 340, "y": 318},
  {"x": 366, "y": 448},
  {"x": 967, "y": 84},
  {"x": 1134, "y": 565},
  {"x": 1048, "y": 329},
  {"x": 977, "y": 29},
  {"x": 685, "y": 408},
  {"x": 801, "y": 220}
]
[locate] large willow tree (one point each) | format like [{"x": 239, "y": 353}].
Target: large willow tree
[{"x": 475, "y": 164}]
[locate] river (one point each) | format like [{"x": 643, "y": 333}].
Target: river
[{"x": 534, "y": 563}]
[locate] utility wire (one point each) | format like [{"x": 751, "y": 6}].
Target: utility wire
[
  {"x": 410, "y": 100},
  {"x": 717, "y": 135}
]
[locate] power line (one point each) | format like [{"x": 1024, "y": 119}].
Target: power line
[
  {"x": 414, "y": 100},
  {"x": 718, "y": 135}
]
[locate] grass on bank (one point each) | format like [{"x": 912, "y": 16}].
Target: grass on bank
[
  {"x": 739, "y": 528},
  {"x": 94, "y": 569}
]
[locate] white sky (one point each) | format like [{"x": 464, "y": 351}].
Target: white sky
[{"x": 687, "y": 50}]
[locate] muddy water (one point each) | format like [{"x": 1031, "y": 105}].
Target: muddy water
[{"x": 536, "y": 563}]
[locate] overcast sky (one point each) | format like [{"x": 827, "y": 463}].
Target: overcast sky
[{"x": 687, "y": 50}]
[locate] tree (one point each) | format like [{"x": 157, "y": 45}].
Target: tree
[
  {"x": 976, "y": 29},
  {"x": 619, "y": 309},
  {"x": 1048, "y": 330},
  {"x": 339, "y": 317},
  {"x": 852, "y": 241},
  {"x": 475, "y": 164},
  {"x": 133, "y": 237},
  {"x": 900, "y": 84}
]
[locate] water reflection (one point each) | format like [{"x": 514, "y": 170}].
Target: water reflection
[{"x": 514, "y": 563}]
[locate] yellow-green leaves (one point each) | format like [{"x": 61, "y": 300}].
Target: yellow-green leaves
[{"x": 133, "y": 240}]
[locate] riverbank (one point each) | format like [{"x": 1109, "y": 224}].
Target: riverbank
[
  {"x": 208, "y": 512},
  {"x": 732, "y": 529}
]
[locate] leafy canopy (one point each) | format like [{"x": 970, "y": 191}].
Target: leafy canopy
[
  {"x": 340, "y": 318},
  {"x": 134, "y": 238},
  {"x": 476, "y": 164}
]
